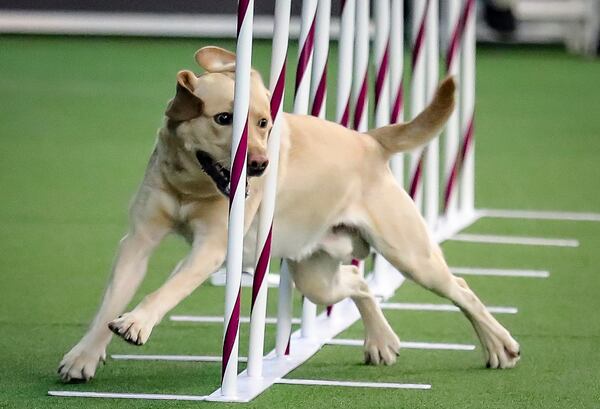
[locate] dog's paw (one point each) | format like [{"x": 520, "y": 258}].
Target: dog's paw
[
  {"x": 80, "y": 363},
  {"x": 134, "y": 327},
  {"x": 501, "y": 349},
  {"x": 382, "y": 347}
]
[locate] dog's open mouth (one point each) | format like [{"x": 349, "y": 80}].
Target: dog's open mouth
[{"x": 219, "y": 174}]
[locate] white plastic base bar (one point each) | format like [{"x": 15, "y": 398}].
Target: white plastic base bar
[
  {"x": 408, "y": 345},
  {"x": 179, "y": 358},
  {"x": 215, "y": 319},
  {"x": 440, "y": 307},
  {"x": 352, "y": 384},
  {"x": 117, "y": 395},
  {"x": 541, "y": 215},
  {"x": 526, "y": 241},
  {"x": 499, "y": 272}
]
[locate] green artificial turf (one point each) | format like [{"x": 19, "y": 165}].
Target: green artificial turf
[{"x": 78, "y": 118}]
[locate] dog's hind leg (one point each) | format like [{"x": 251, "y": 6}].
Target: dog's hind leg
[
  {"x": 81, "y": 361},
  {"x": 323, "y": 280},
  {"x": 398, "y": 232}
]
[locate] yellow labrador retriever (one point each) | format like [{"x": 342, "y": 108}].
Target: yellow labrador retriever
[{"x": 336, "y": 197}]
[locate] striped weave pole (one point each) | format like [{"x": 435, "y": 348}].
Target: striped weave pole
[
  {"x": 467, "y": 172},
  {"x": 455, "y": 26},
  {"x": 382, "y": 98},
  {"x": 344, "y": 75},
  {"x": 301, "y": 101},
  {"x": 237, "y": 197},
  {"x": 417, "y": 91},
  {"x": 396, "y": 80},
  {"x": 260, "y": 286},
  {"x": 432, "y": 153},
  {"x": 456, "y": 154},
  {"x": 361, "y": 66},
  {"x": 318, "y": 92},
  {"x": 345, "y": 57},
  {"x": 382, "y": 57}
]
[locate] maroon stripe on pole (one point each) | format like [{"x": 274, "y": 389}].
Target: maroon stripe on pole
[
  {"x": 320, "y": 94},
  {"x": 238, "y": 163},
  {"x": 230, "y": 334},
  {"x": 277, "y": 97},
  {"x": 459, "y": 161},
  {"x": 360, "y": 103},
  {"x": 416, "y": 180},
  {"x": 381, "y": 74},
  {"x": 307, "y": 50},
  {"x": 345, "y": 121},
  {"x": 418, "y": 45},
  {"x": 457, "y": 33},
  {"x": 398, "y": 102},
  {"x": 287, "y": 348},
  {"x": 241, "y": 15},
  {"x": 261, "y": 268}
]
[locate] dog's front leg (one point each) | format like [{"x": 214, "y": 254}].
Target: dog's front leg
[
  {"x": 205, "y": 257},
  {"x": 81, "y": 361},
  {"x": 208, "y": 252}
]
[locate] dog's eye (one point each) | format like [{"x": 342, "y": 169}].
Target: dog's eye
[
  {"x": 224, "y": 118},
  {"x": 263, "y": 123}
]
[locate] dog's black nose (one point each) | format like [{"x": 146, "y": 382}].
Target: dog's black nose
[{"x": 257, "y": 165}]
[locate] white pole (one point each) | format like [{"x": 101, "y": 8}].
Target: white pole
[
  {"x": 432, "y": 155},
  {"x": 345, "y": 56},
  {"x": 318, "y": 92},
  {"x": 452, "y": 132},
  {"x": 417, "y": 92},
  {"x": 303, "y": 76},
  {"x": 237, "y": 198},
  {"x": 467, "y": 175},
  {"x": 305, "y": 56},
  {"x": 361, "y": 64},
  {"x": 267, "y": 207},
  {"x": 284, "y": 311},
  {"x": 396, "y": 80}
]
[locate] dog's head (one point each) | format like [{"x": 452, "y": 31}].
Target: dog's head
[{"x": 202, "y": 112}]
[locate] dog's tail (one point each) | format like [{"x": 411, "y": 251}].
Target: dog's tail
[{"x": 410, "y": 135}]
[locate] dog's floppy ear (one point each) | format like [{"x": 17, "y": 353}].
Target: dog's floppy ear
[
  {"x": 185, "y": 105},
  {"x": 215, "y": 59}
]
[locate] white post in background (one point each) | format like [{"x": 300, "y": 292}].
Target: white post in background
[
  {"x": 318, "y": 89},
  {"x": 467, "y": 174},
  {"x": 417, "y": 93},
  {"x": 396, "y": 78},
  {"x": 345, "y": 57},
  {"x": 237, "y": 198},
  {"x": 267, "y": 206},
  {"x": 361, "y": 64},
  {"x": 432, "y": 154},
  {"x": 303, "y": 76},
  {"x": 452, "y": 132}
]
